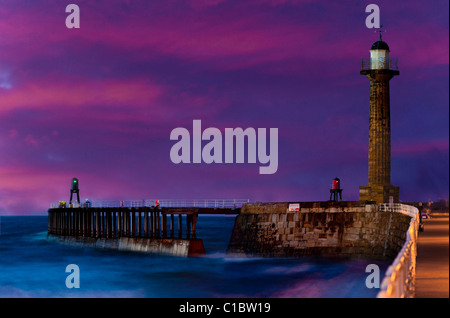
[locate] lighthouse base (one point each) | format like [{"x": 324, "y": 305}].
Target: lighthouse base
[{"x": 379, "y": 193}]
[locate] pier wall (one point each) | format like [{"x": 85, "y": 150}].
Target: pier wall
[
  {"x": 319, "y": 228},
  {"x": 165, "y": 246}
]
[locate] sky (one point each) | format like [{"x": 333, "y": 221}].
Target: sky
[{"x": 99, "y": 102}]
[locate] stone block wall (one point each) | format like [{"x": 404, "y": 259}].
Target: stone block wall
[{"x": 319, "y": 228}]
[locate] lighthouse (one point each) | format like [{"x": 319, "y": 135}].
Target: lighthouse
[{"x": 379, "y": 69}]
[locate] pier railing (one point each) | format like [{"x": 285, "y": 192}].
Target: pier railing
[
  {"x": 399, "y": 280},
  {"x": 202, "y": 203}
]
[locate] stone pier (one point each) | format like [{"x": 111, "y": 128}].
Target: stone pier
[{"x": 351, "y": 229}]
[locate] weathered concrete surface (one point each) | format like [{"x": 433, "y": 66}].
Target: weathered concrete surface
[
  {"x": 319, "y": 228},
  {"x": 432, "y": 272},
  {"x": 167, "y": 246}
]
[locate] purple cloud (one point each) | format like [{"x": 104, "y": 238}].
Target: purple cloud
[{"x": 99, "y": 103}]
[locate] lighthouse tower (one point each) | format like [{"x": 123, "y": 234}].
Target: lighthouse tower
[{"x": 379, "y": 69}]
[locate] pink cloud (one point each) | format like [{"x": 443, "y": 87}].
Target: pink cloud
[
  {"x": 101, "y": 101},
  {"x": 65, "y": 94},
  {"x": 31, "y": 141},
  {"x": 229, "y": 38},
  {"x": 420, "y": 147}
]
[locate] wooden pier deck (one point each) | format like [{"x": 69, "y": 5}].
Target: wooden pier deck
[{"x": 133, "y": 222}]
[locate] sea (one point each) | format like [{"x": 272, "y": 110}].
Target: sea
[{"x": 33, "y": 266}]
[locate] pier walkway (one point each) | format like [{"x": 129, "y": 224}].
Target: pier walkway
[
  {"x": 135, "y": 219},
  {"x": 432, "y": 272}
]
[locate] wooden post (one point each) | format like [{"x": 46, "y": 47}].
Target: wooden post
[
  {"x": 65, "y": 223},
  {"x": 149, "y": 222},
  {"x": 94, "y": 228},
  {"x": 188, "y": 225},
  {"x": 139, "y": 223},
  {"x": 88, "y": 223},
  {"x": 152, "y": 224},
  {"x": 179, "y": 225},
  {"x": 102, "y": 223},
  {"x": 110, "y": 223},
  {"x": 124, "y": 216},
  {"x": 83, "y": 223},
  {"x": 71, "y": 222},
  {"x": 164, "y": 225},
  {"x": 119, "y": 223},
  {"x": 107, "y": 223},
  {"x": 133, "y": 222},
  {"x": 97, "y": 224},
  {"x": 68, "y": 214},
  {"x": 145, "y": 222},
  {"x": 75, "y": 223},
  {"x": 194, "y": 222},
  {"x": 80, "y": 214},
  {"x": 55, "y": 223},
  {"x": 79, "y": 223},
  {"x": 91, "y": 224},
  {"x": 114, "y": 229},
  {"x": 125, "y": 228},
  {"x": 158, "y": 225},
  {"x": 87, "y": 219},
  {"x": 171, "y": 224},
  {"x": 128, "y": 213},
  {"x": 60, "y": 222}
]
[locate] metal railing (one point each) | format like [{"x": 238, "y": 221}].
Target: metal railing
[
  {"x": 204, "y": 203},
  {"x": 399, "y": 280},
  {"x": 380, "y": 63}
]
